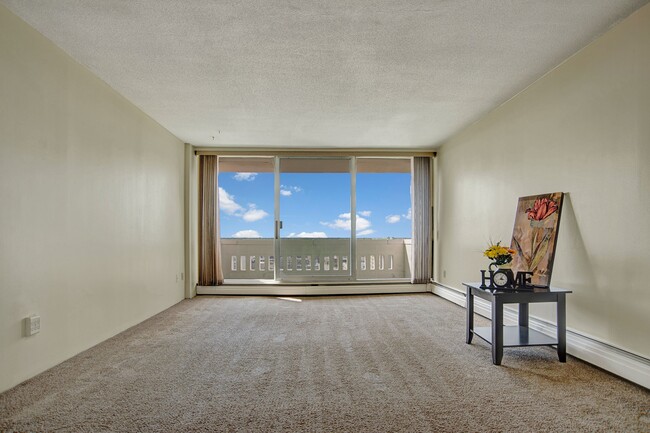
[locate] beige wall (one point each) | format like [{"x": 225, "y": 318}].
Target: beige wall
[
  {"x": 91, "y": 207},
  {"x": 583, "y": 129}
]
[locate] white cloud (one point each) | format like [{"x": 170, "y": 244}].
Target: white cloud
[
  {"x": 308, "y": 235},
  {"x": 254, "y": 214},
  {"x": 245, "y": 176},
  {"x": 392, "y": 219},
  {"x": 365, "y": 213},
  {"x": 247, "y": 234},
  {"x": 408, "y": 214},
  {"x": 288, "y": 190},
  {"x": 344, "y": 222},
  {"x": 365, "y": 232},
  {"x": 227, "y": 203}
]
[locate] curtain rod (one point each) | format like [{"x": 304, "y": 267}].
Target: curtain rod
[{"x": 315, "y": 152}]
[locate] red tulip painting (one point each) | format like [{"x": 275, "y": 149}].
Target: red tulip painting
[
  {"x": 542, "y": 209},
  {"x": 535, "y": 234}
]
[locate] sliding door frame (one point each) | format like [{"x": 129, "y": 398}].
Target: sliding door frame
[{"x": 268, "y": 287}]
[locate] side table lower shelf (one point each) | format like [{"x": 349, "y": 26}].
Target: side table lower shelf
[{"x": 517, "y": 336}]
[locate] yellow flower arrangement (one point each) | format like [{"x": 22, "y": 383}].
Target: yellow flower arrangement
[{"x": 500, "y": 254}]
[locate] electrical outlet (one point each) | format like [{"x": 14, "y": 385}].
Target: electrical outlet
[
  {"x": 32, "y": 325},
  {"x": 444, "y": 273},
  {"x": 182, "y": 276}
]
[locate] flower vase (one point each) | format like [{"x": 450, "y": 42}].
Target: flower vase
[
  {"x": 495, "y": 267},
  {"x": 537, "y": 224}
]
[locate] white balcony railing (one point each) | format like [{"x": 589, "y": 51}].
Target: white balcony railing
[{"x": 255, "y": 259}]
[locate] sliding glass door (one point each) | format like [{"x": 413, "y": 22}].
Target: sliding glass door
[{"x": 314, "y": 228}]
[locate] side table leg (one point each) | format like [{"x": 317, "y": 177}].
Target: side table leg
[
  {"x": 469, "y": 301},
  {"x": 523, "y": 315},
  {"x": 561, "y": 327},
  {"x": 497, "y": 330}
]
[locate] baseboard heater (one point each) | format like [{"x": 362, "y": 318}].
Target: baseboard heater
[{"x": 306, "y": 289}]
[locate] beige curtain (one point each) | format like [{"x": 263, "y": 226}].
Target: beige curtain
[
  {"x": 210, "y": 272},
  {"x": 421, "y": 220}
]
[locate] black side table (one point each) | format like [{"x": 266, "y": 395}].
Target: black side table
[{"x": 500, "y": 336}]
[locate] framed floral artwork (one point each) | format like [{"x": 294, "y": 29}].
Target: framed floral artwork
[{"x": 537, "y": 222}]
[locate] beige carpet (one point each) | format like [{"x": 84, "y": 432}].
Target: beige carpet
[{"x": 354, "y": 363}]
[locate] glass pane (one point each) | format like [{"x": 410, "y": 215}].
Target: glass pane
[
  {"x": 384, "y": 218},
  {"x": 246, "y": 208},
  {"x": 315, "y": 215}
]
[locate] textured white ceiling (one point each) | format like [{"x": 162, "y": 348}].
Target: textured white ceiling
[{"x": 325, "y": 73}]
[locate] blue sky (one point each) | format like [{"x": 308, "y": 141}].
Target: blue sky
[{"x": 315, "y": 205}]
